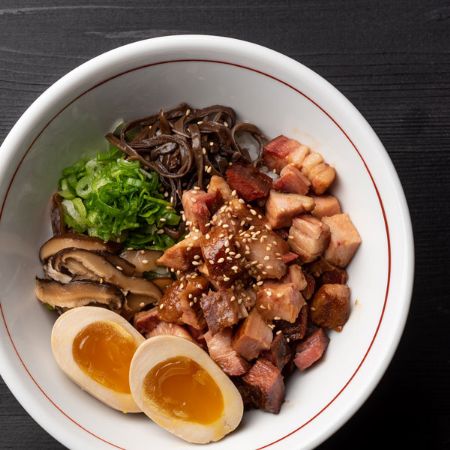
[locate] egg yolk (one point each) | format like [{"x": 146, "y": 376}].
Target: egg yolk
[
  {"x": 184, "y": 390},
  {"x": 104, "y": 352}
]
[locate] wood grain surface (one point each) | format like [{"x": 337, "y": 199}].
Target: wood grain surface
[{"x": 391, "y": 58}]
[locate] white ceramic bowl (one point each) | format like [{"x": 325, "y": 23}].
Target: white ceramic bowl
[{"x": 279, "y": 95}]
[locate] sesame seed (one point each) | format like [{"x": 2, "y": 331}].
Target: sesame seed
[
  {"x": 190, "y": 296},
  {"x": 161, "y": 306},
  {"x": 101, "y": 280},
  {"x": 240, "y": 301},
  {"x": 262, "y": 306},
  {"x": 241, "y": 201},
  {"x": 119, "y": 268},
  {"x": 166, "y": 194},
  {"x": 204, "y": 150},
  {"x": 207, "y": 236},
  {"x": 269, "y": 293},
  {"x": 278, "y": 332},
  {"x": 211, "y": 143},
  {"x": 288, "y": 340},
  {"x": 220, "y": 260},
  {"x": 266, "y": 258},
  {"x": 237, "y": 256},
  {"x": 188, "y": 111},
  {"x": 235, "y": 268},
  {"x": 211, "y": 261},
  {"x": 279, "y": 295},
  {"x": 290, "y": 237},
  {"x": 225, "y": 278},
  {"x": 191, "y": 303},
  {"x": 253, "y": 212},
  {"x": 233, "y": 193},
  {"x": 196, "y": 263},
  {"x": 259, "y": 283}
]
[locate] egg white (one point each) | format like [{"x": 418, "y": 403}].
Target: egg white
[
  {"x": 66, "y": 328},
  {"x": 161, "y": 348}
]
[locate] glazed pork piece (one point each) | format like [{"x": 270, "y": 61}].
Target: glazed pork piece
[
  {"x": 292, "y": 180},
  {"x": 266, "y": 386},
  {"x": 198, "y": 207},
  {"x": 249, "y": 182},
  {"x": 276, "y": 301},
  {"x": 320, "y": 174},
  {"x": 345, "y": 240},
  {"x": 325, "y": 206},
  {"x": 253, "y": 336},
  {"x": 330, "y": 307},
  {"x": 179, "y": 303},
  {"x": 308, "y": 237},
  {"x": 311, "y": 349},
  {"x": 182, "y": 255},
  {"x": 220, "y": 309},
  {"x": 282, "y": 208},
  {"x": 279, "y": 353},
  {"x": 281, "y": 151},
  {"x": 222, "y": 352}
]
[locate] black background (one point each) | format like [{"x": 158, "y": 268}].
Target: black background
[{"x": 391, "y": 58}]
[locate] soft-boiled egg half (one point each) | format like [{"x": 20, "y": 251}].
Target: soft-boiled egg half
[
  {"x": 94, "y": 347},
  {"x": 177, "y": 385}
]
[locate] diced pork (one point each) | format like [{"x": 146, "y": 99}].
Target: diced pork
[
  {"x": 276, "y": 301},
  {"x": 282, "y": 208},
  {"x": 320, "y": 174},
  {"x": 218, "y": 184},
  {"x": 146, "y": 321},
  {"x": 217, "y": 246},
  {"x": 282, "y": 151},
  {"x": 253, "y": 336},
  {"x": 263, "y": 249},
  {"x": 267, "y": 385},
  {"x": 296, "y": 276},
  {"x": 330, "y": 307},
  {"x": 292, "y": 180},
  {"x": 326, "y": 273},
  {"x": 279, "y": 353},
  {"x": 181, "y": 255},
  {"x": 221, "y": 351},
  {"x": 311, "y": 349},
  {"x": 220, "y": 309},
  {"x": 179, "y": 304},
  {"x": 308, "y": 237},
  {"x": 250, "y": 183},
  {"x": 344, "y": 242},
  {"x": 297, "y": 330},
  {"x": 325, "y": 206},
  {"x": 197, "y": 207},
  {"x": 164, "y": 328}
]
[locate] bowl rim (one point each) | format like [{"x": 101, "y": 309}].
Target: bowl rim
[{"x": 41, "y": 106}]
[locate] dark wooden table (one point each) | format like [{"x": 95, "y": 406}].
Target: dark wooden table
[{"x": 391, "y": 58}]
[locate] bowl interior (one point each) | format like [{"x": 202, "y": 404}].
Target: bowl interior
[{"x": 78, "y": 129}]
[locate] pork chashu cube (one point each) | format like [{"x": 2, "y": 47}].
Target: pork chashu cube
[
  {"x": 267, "y": 386},
  {"x": 292, "y": 180},
  {"x": 220, "y": 309},
  {"x": 279, "y": 353},
  {"x": 221, "y": 351},
  {"x": 181, "y": 255},
  {"x": 344, "y": 242},
  {"x": 282, "y": 208},
  {"x": 330, "y": 307},
  {"x": 198, "y": 206},
  {"x": 320, "y": 174},
  {"x": 325, "y": 206},
  {"x": 308, "y": 237},
  {"x": 296, "y": 276},
  {"x": 276, "y": 301},
  {"x": 179, "y": 303},
  {"x": 249, "y": 182},
  {"x": 311, "y": 349},
  {"x": 253, "y": 336},
  {"x": 263, "y": 250},
  {"x": 219, "y": 253},
  {"x": 282, "y": 151}
]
